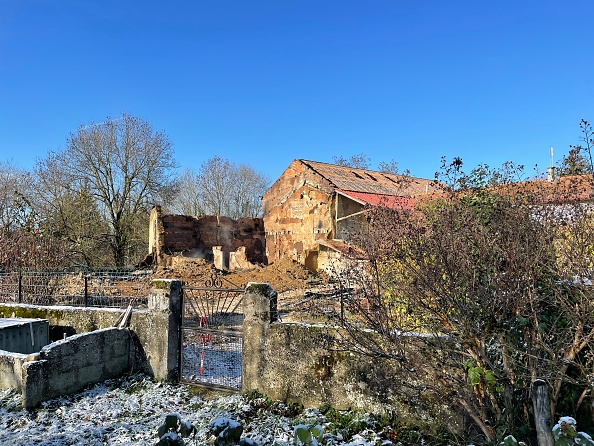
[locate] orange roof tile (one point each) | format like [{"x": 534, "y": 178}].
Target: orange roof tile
[{"x": 565, "y": 189}]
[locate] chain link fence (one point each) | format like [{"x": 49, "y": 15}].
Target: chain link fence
[{"x": 113, "y": 288}]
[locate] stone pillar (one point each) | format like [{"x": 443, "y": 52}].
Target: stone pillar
[
  {"x": 163, "y": 348},
  {"x": 259, "y": 310},
  {"x": 219, "y": 258},
  {"x": 238, "y": 260},
  {"x": 156, "y": 235}
]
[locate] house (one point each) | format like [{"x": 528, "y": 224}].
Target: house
[
  {"x": 553, "y": 190},
  {"x": 312, "y": 208}
]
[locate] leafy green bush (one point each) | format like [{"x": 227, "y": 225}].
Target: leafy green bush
[
  {"x": 510, "y": 440},
  {"x": 566, "y": 434},
  {"x": 308, "y": 435},
  {"x": 227, "y": 432},
  {"x": 348, "y": 422},
  {"x": 258, "y": 401}
]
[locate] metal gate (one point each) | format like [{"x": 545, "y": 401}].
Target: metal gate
[{"x": 211, "y": 336}]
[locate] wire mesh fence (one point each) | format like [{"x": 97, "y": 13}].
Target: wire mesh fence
[
  {"x": 114, "y": 288},
  {"x": 212, "y": 358}
]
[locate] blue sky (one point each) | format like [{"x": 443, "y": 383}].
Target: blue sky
[{"x": 265, "y": 82}]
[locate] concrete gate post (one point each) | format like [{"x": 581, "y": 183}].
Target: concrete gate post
[
  {"x": 162, "y": 349},
  {"x": 259, "y": 310}
]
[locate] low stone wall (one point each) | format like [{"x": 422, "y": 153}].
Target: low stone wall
[
  {"x": 70, "y": 365},
  {"x": 11, "y": 366},
  {"x": 289, "y": 362},
  {"x": 308, "y": 364},
  {"x": 23, "y": 335},
  {"x": 151, "y": 345}
]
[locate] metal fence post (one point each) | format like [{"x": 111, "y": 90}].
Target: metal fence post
[
  {"x": 20, "y": 286},
  {"x": 86, "y": 291}
]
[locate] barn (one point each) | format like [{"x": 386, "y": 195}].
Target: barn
[{"x": 311, "y": 209}]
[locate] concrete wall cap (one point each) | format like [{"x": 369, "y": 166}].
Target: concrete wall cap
[
  {"x": 261, "y": 288},
  {"x": 13, "y": 355}
]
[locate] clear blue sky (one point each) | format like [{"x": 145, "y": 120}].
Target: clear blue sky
[{"x": 265, "y": 82}]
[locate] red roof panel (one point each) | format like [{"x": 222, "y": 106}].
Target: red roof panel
[{"x": 389, "y": 201}]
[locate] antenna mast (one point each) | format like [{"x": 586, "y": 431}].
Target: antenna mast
[{"x": 551, "y": 169}]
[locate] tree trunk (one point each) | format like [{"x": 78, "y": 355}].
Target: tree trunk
[{"x": 542, "y": 412}]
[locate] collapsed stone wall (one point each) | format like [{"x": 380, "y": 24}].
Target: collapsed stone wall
[{"x": 195, "y": 237}]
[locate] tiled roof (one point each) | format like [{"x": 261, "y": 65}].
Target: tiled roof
[
  {"x": 389, "y": 201},
  {"x": 566, "y": 189},
  {"x": 371, "y": 182},
  {"x": 562, "y": 190}
]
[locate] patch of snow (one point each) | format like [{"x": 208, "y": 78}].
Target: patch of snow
[
  {"x": 567, "y": 420},
  {"x": 129, "y": 411}
]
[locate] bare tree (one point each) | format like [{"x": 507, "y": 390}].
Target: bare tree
[
  {"x": 359, "y": 161},
  {"x": 15, "y": 187},
  {"x": 187, "y": 199},
  {"x": 389, "y": 167},
  {"x": 362, "y": 161},
  {"x": 574, "y": 163},
  {"x": 248, "y": 190},
  {"x": 579, "y": 159},
  {"x": 214, "y": 181},
  {"x": 24, "y": 240},
  {"x": 123, "y": 165},
  {"x": 221, "y": 188}
]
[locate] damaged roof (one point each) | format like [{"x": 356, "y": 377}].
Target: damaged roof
[
  {"x": 389, "y": 201},
  {"x": 372, "y": 182},
  {"x": 344, "y": 248}
]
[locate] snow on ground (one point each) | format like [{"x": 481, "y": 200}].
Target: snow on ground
[{"x": 129, "y": 410}]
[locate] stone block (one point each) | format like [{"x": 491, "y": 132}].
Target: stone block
[
  {"x": 35, "y": 383},
  {"x": 90, "y": 374},
  {"x": 113, "y": 367},
  {"x": 120, "y": 347},
  {"x": 11, "y": 374},
  {"x": 62, "y": 383},
  {"x": 219, "y": 258}
]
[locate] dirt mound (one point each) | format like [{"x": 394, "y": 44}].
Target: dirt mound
[{"x": 283, "y": 275}]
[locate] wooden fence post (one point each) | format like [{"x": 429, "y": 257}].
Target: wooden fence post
[{"x": 542, "y": 412}]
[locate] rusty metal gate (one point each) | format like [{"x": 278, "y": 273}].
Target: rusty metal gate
[{"x": 211, "y": 337}]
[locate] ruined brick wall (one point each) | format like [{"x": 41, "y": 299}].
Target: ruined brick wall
[
  {"x": 297, "y": 211},
  {"x": 196, "y": 236}
]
